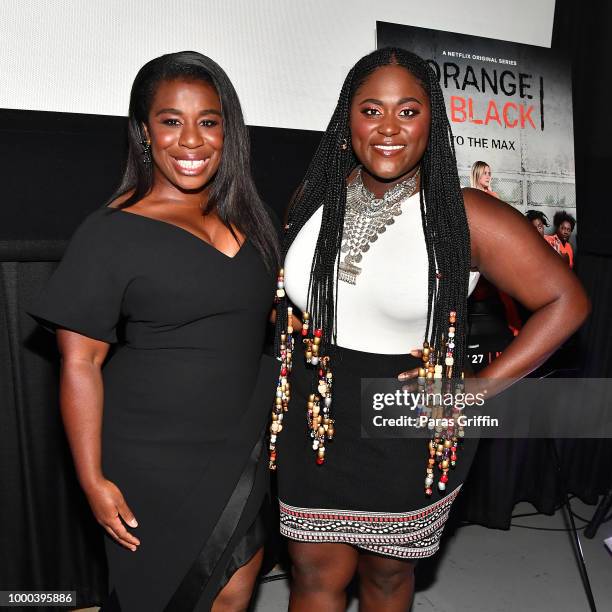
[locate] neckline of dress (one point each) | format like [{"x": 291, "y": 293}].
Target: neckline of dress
[
  {"x": 358, "y": 183},
  {"x": 183, "y": 231}
]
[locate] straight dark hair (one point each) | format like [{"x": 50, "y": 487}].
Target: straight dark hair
[{"x": 233, "y": 194}]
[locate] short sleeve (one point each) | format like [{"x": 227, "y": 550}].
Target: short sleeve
[{"x": 85, "y": 292}]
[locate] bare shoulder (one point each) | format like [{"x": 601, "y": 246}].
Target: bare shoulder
[
  {"x": 482, "y": 207},
  {"x": 495, "y": 225},
  {"x": 487, "y": 214}
]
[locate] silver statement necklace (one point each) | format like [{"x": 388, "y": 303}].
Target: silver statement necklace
[{"x": 367, "y": 217}]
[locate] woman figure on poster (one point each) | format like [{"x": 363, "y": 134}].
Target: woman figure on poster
[
  {"x": 494, "y": 315},
  {"x": 564, "y": 224},
  {"x": 177, "y": 274},
  {"x": 480, "y": 178},
  {"x": 538, "y": 219},
  {"x": 378, "y": 254}
]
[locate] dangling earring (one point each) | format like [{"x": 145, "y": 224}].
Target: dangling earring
[{"x": 146, "y": 151}]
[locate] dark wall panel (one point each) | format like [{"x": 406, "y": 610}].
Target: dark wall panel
[{"x": 57, "y": 167}]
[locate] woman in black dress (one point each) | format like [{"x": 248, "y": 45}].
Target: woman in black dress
[
  {"x": 178, "y": 273},
  {"x": 378, "y": 254}
]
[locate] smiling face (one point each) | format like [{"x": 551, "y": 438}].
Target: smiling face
[
  {"x": 485, "y": 178},
  {"x": 389, "y": 122},
  {"x": 185, "y": 128}
]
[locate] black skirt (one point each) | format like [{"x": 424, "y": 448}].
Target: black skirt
[{"x": 369, "y": 492}]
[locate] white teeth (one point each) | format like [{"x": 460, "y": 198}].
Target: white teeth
[
  {"x": 190, "y": 164},
  {"x": 389, "y": 147}
]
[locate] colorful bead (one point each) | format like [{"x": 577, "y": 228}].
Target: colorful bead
[
  {"x": 283, "y": 394},
  {"x": 443, "y": 445},
  {"x": 320, "y": 424}
]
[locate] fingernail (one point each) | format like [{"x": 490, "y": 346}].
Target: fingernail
[
  {"x": 133, "y": 549},
  {"x": 402, "y": 377},
  {"x": 134, "y": 523}
]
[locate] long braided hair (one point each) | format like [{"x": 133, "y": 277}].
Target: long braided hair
[{"x": 443, "y": 214}]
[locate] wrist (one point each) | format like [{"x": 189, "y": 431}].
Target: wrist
[{"x": 91, "y": 481}]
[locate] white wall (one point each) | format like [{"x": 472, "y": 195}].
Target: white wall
[{"x": 287, "y": 58}]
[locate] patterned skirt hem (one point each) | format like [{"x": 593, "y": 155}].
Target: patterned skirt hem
[{"x": 407, "y": 535}]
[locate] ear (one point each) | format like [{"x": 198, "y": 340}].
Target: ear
[{"x": 145, "y": 133}]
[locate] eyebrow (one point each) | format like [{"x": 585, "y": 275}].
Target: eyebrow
[
  {"x": 401, "y": 101},
  {"x": 176, "y": 111}
]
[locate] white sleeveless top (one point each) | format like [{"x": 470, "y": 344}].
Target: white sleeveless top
[{"x": 386, "y": 310}]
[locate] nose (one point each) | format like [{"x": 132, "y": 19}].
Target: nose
[
  {"x": 190, "y": 137},
  {"x": 389, "y": 126}
]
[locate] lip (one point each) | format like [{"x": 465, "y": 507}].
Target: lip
[
  {"x": 190, "y": 166},
  {"x": 388, "y": 150}
]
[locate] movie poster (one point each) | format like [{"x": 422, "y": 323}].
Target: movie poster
[{"x": 510, "y": 106}]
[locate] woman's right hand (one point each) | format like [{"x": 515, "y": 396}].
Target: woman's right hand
[
  {"x": 295, "y": 322},
  {"x": 411, "y": 374},
  {"x": 556, "y": 244},
  {"x": 109, "y": 508}
]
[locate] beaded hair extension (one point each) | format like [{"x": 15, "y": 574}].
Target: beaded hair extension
[{"x": 443, "y": 215}]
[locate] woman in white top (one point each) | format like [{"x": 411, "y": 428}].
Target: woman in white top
[{"x": 379, "y": 247}]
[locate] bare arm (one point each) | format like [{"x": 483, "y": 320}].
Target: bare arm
[
  {"x": 514, "y": 257},
  {"x": 81, "y": 402},
  {"x": 510, "y": 253}
]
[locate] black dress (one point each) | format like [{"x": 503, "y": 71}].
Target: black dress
[{"x": 186, "y": 398}]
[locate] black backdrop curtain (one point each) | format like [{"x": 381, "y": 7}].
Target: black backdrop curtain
[
  {"x": 506, "y": 472},
  {"x": 48, "y": 537}
]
